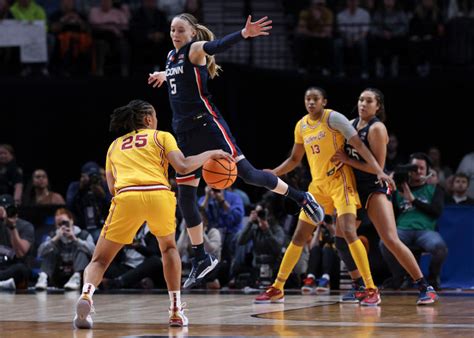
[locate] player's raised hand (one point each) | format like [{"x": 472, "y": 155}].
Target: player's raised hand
[
  {"x": 257, "y": 28},
  {"x": 156, "y": 79}
]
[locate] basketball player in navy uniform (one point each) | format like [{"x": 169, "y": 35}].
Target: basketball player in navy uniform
[
  {"x": 374, "y": 197},
  {"x": 199, "y": 126}
]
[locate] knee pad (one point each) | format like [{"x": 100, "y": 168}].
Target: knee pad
[
  {"x": 345, "y": 254},
  {"x": 256, "y": 177},
  {"x": 187, "y": 201}
]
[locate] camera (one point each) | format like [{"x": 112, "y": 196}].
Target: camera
[
  {"x": 262, "y": 214},
  {"x": 8, "y": 203},
  {"x": 401, "y": 171},
  {"x": 64, "y": 223},
  {"x": 94, "y": 178}
]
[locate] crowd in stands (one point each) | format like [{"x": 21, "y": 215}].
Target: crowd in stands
[
  {"x": 375, "y": 37},
  {"x": 47, "y": 240},
  {"x": 384, "y": 33}
]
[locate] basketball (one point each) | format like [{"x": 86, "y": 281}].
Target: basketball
[{"x": 219, "y": 173}]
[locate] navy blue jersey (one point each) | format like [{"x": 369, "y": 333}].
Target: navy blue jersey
[
  {"x": 187, "y": 90},
  {"x": 366, "y": 182}
]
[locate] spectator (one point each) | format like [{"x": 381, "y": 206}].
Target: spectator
[
  {"x": 268, "y": 241},
  {"x": 443, "y": 171},
  {"x": 212, "y": 245},
  {"x": 149, "y": 33},
  {"x": 417, "y": 206},
  {"x": 16, "y": 239},
  {"x": 323, "y": 259},
  {"x": 72, "y": 39},
  {"x": 224, "y": 211},
  {"x": 460, "y": 188},
  {"x": 140, "y": 265},
  {"x": 467, "y": 166},
  {"x": 89, "y": 199},
  {"x": 194, "y": 7},
  {"x": 109, "y": 29},
  {"x": 353, "y": 27},
  {"x": 389, "y": 30},
  {"x": 29, "y": 10},
  {"x": 11, "y": 175},
  {"x": 38, "y": 191},
  {"x": 313, "y": 37},
  {"x": 65, "y": 253},
  {"x": 426, "y": 29},
  {"x": 5, "y": 10}
]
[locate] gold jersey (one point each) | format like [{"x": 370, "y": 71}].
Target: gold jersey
[
  {"x": 320, "y": 142},
  {"x": 138, "y": 159}
]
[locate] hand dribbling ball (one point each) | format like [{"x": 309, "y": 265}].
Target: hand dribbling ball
[{"x": 219, "y": 173}]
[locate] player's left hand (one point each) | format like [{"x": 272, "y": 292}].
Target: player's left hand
[
  {"x": 340, "y": 156},
  {"x": 383, "y": 178},
  {"x": 257, "y": 28}
]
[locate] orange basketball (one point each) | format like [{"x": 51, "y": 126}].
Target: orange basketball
[{"x": 220, "y": 173}]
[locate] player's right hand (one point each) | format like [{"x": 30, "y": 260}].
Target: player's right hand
[
  {"x": 156, "y": 79},
  {"x": 222, "y": 154}
]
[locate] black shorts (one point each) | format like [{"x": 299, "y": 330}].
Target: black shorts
[
  {"x": 365, "y": 190},
  {"x": 210, "y": 133}
]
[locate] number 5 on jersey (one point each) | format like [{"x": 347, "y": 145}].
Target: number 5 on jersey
[{"x": 173, "y": 86}]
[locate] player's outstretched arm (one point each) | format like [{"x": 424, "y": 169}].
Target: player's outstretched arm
[
  {"x": 184, "y": 165},
  {"x": 251, "y": 30},
  {"x": 156, "y": 79}
]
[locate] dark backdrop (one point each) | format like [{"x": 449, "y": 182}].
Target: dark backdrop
[{"x": 59, "y": 124}]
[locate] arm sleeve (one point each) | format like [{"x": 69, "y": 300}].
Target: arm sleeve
[
  {"x": 435, "y": 208},
  {"x": 340, "y": 123},
  {"x": 88, "y": 244},
  {"x": 233, "y": 217},
  {"x": 223, "y": 44}
]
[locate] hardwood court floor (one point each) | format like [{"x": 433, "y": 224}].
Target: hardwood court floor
[{"x": 118, "y": 315}]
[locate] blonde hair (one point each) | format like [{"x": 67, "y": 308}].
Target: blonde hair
[{"x": 203, "y": 34}]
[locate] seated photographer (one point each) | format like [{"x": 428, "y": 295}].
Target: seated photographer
[
  {"x": 268, "y": 239},
  {"x": 16, "y": 239},
  {"x": 138, "y": 265},
  {"x": 417, "y": 206},
  {"x": 323, "y": 259},
  {"x": 89, "y": 199},
  {"x": 64, "y": 254}
]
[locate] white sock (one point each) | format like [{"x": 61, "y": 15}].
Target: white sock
[
  {"x": 88, "y": 289},
  {"x": 175, "y": 298}
]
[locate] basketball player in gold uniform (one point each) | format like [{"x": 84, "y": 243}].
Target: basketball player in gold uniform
[
  {"x": 137, "y": 176},
  {"x": 319, "y": 135}
]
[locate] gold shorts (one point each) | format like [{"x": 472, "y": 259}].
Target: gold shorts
[
  {"x": 336, "y": 193},
  {"x": 130, "y": 209}
]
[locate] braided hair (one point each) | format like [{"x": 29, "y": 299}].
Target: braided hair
[{"x": 130, "y": 117}]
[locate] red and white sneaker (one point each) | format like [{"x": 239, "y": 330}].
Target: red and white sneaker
[
  {"x": 177, "y": 316},
  {"x": 309, "y": 285},
  {"x": 271, "y": 295},
  {"x": 372, "y": 298},
  {"x": 84, "y": 308}
]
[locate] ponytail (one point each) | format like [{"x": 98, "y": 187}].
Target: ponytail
[{"x": 203, "y": 34}]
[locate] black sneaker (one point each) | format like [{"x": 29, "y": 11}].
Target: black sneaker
[
  {"x": 312, "y": 209},
  {"x": 200, "y": 270}
]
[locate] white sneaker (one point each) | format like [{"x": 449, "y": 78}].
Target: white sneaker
[
  {"x": 84, "y": 308},
  {"x": 177, "y": 317},
  {"x": 8, "y": 284},
  {"x": 42, "y": 283},
  {"x": 74, "y": 283}
]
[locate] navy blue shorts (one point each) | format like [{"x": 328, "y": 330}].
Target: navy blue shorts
[
  {"x": 210, "y": 133},
  {"x": 365, "y": 190}
]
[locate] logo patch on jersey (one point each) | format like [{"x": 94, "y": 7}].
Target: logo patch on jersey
[
  {"x": 181, "y": 56},
  {"x": 174, "y": 71},
  {"x": 312, "y": 138},
  {"x": 363, "y": 135}
]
